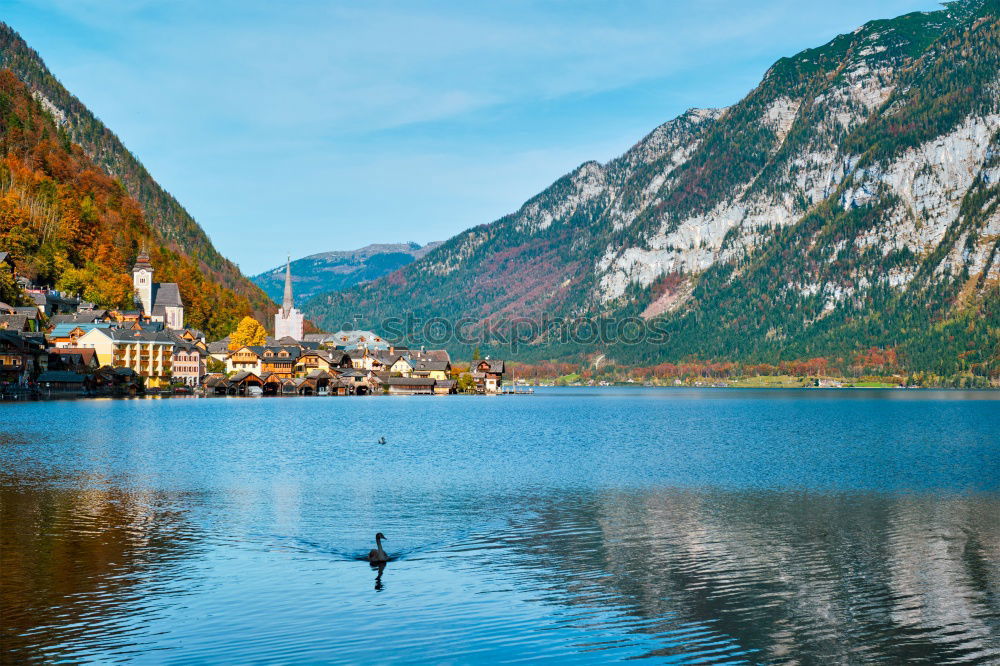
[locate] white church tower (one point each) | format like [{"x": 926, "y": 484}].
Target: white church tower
[
  {"x": 142, "y": 280},
  {"x": 288, "y": 320}
]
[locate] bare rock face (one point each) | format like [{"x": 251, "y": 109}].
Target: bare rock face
[{"x": 860, "y": 172}]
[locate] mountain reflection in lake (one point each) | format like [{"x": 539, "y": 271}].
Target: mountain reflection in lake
[{"x": 692, "y": 526}]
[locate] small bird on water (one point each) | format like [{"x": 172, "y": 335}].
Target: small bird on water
[
  {"x": 377, "y": 555},
  {"x": 381, "y": 440}
]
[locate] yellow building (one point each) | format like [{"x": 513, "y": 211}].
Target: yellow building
[
  {"x": 440, "y": 370},
  {"x": 245, "y": 359},
  {"x": 148, "y": 353}
]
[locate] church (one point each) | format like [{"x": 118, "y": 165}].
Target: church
[
  {"x": 288, "y": 320},
  {"x": 160, "y": 301}
]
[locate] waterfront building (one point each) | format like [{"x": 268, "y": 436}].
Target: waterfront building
[
  {"x": 61, "y": 382},
  {"x": 333, "y": 361},
  {"x": 245, "y": 359},
  {"x": 242, "y": 382},
  {"x": 188, "y": 363},
  {"x": 488, "y": 374},
  {"x": 408, "y": 385},
  {"x": 279, "y": 360},
  {"x": 440, "y": 370},
  {"x": 160, "y": 301},
  {"x": 148, "y": 353},
  {"x": 391, "y": 362},
  {"x": 77, "y": 359},
  {"x": 288, "y": 321},
  {"x": 445, "y": 386}
]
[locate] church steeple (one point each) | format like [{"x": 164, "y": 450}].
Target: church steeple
[
  {"x": 142, "y": 281},
  {"x": 288, "y": 302},
  {"x": 288, "y": 322}
]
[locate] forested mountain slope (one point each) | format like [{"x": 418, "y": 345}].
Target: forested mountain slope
[
  {"x": 848, "y": 201},
  {"x": 172, "y": 225},
  {"x": 340, "y": 269},
  {"x": 69, "y": 224}
]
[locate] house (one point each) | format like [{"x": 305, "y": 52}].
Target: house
[
  {"x": 247, "y": 358},
  {"x": 408, "y": 385},
  {"x": 359, "y": 382},
  {"x": 69, "y": 334},
  {"x": 148, "y": 353},
  {"x": 81, "y": 317},
  {"x": 188, "y": 363},
  {"x": 279, "y": 360},
  {"x": 389, "y": 361},
  {"x": 216, "y": 383},
  {"x": 63, "y": 382},
  {"x": 356, "y": 340},
  {"x": 15, "y": 322},
  {"x": 15, "y": 360},
  {"x": 194, "y": 336},
  {"x": 160, "y": 301},
  {"x": 488, "y": 375},
  {"x": 437, "y": 355},
  {"x": 73, "y": 358},
  {"x": 219, "y": 349},
  {"x": 22, "y": 356},
  {"x": 440, "y": 370},
  {"x": 50, "y": 302},
  {"x": 333, "y": 361},
  {"x": 445, "y": 386}
]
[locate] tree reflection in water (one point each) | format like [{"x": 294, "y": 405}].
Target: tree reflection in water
[{"x": 79, "y": 557}]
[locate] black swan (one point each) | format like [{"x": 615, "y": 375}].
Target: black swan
[{"x": 377, "y": 555}]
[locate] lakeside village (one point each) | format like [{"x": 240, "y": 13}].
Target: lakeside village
[{"x": 62, "y": 346}]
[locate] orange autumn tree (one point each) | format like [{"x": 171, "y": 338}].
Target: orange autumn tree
[
  {"x": 69, "y": 225},
  {"x": 248, "y": 333}
]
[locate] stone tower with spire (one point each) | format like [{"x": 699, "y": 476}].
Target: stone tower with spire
[{"x": 288, "y": 320}]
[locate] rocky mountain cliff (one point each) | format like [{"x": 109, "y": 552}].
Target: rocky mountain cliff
[
  {"x": 337, "y": 270},
  {"x": 848, "y": 201},
  {"x": 173, "y": 225}
]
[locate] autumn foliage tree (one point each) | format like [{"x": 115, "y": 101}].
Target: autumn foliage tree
[
  {"x": 69, "y": 225},
  {"x": 249, "y": 332}
]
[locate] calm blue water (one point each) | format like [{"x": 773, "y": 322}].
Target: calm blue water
[{"x": 576, "y": 525}]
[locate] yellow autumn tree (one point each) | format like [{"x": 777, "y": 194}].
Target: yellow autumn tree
[{"x": 248, "y": 332}]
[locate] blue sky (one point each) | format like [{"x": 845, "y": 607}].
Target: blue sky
[{"x": 311, "y": 126}]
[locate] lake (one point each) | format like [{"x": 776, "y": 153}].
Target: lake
[{"x": 573, "y": 525}]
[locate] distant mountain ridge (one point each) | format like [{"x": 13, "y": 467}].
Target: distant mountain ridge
[
  {"x": 850, "y": 200},
  {"x": 340, "y": 269}
]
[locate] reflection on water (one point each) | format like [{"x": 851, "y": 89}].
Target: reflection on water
[
  {"x": 694, "y": 530},
  {"x": 769, "y": 577},
  {"x": 73, "y": 560}
]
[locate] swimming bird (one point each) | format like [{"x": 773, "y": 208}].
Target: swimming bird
[
  {"x": 377, "y": 555},
  {"x": 381, "y": 440}
]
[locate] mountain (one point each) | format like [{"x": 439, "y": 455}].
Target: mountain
[
  {"x": 172, "y": 226},
  {"x": 849, "y": 201},
  {"x": 334, "y": 271}
]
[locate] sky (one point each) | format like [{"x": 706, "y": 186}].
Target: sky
[{"x": 303, "y": 127}]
